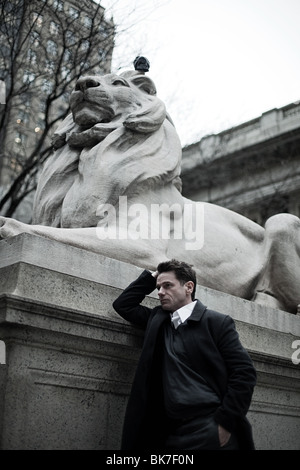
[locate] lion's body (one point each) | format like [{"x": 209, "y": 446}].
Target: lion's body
[{"x": 120, "y": 146}]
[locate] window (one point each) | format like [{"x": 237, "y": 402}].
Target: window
[
  {"x": 20, "y": 138},
  {"x": 68, "y": 57},
  {"x": 103, "y": 30},
  {"x": 51, "y": 48},
  {"x": 47, "y": 86},
  {"x": 88, "y": 22},
  {"x": 50, "y": 66},
  {"x": 42, "y": 107},
  {"x": 64, "y": 72},
  {"x": 14, "y": 162},
  {"x": 28, "y": 77},
  {"x": 37, "y": 19},
  {"x": 25, "y": 99},
  {"x": 39, "y": 125},
  {"x": 73, "y": 12},
  {"x": 35, "y": 38},
  {"x": 31, "y": 57},
  {"x": 54, "y": 28},
  {"x": 66, "y": 97},
  {"x": 70, "y": 39},
  {"x": 85, "y": 45},
  {"x": 23, "y": 117},
  {"x": 58, "y": 5},
  {"x": 101, "y": 53},
  {"x": 85, "y": 66}
]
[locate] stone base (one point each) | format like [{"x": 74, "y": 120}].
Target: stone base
[{"x": 70, "y": 359}]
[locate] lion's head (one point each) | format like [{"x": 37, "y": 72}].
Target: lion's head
[
  {"x": 111, "y": 99},
  {"x": 118, "y": 138}
]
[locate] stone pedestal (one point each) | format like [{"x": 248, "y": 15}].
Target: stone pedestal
[{"x": 70, "y": 359}]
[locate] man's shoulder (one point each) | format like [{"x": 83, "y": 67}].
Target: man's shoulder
[
  {"x": 215, "y": 314},
  {"x": 217, "y": 323}
]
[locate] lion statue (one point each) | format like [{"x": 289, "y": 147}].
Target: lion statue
[{"x": 112, "y": 186}]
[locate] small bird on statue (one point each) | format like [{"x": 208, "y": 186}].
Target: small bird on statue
[{"x": 141, "y": 64}]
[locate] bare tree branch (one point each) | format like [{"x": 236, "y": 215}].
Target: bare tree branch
[{"x": 43, "y": 52}]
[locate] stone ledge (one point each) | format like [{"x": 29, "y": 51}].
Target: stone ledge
[
  {"x": 26, "y": 316},
  {"x": 71, "y": 358},
  {"x": 77, "y": 282},
  {"x": 50, "y": 256},
  {"x": 66, "y": 259}
]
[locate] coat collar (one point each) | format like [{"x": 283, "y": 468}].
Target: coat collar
[
  {"x": 196, "y": 315},
  {"x": 198, "y": 311}
]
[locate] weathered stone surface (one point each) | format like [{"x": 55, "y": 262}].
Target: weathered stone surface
[
  {"x": 120, "y": 148},
  {"x": 70, "y": 359}
]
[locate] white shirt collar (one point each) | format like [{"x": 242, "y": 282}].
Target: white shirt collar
[{"x": 184, "y": 312}]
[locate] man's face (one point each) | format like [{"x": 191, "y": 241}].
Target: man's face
[{"x": 172, "y": 294}]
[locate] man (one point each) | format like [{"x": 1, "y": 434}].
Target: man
[{"x": 194, "y": 381}]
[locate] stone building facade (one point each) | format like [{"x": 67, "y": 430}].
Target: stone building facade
[
  {"x": 253, "y": 168},
  {"x": 52, "y": 42}
]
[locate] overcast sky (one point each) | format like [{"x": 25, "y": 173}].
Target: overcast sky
[{"x": 216, "y": 63}]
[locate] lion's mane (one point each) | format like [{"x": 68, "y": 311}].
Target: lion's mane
[{"x": 93, "y": 166}]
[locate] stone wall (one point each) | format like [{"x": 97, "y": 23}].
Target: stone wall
[{"x": 70, "y": 359}]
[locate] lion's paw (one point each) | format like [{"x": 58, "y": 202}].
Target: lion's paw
[{"x": 11, "y": 227}]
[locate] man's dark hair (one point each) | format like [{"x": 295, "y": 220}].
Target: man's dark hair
[{"x": 183, "y": 272}]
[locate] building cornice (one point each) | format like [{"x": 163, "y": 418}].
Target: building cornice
[{"x": 271, "y": 127}]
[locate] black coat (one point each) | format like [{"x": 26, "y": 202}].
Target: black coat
[{"x": 216, "y": 353}]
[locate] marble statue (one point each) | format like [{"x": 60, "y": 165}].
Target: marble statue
[{"x": 112, "y": 186}]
